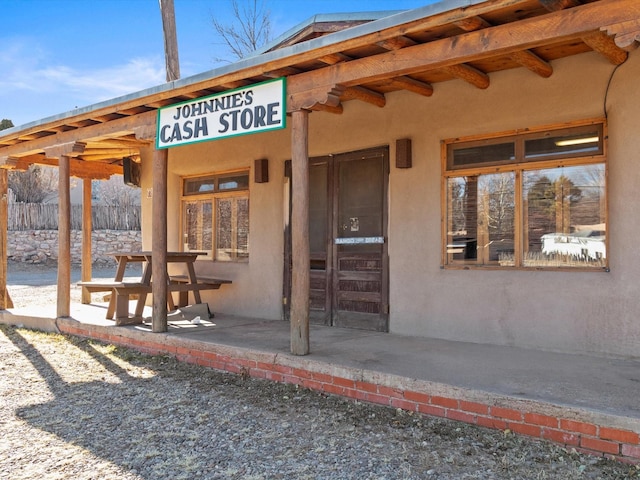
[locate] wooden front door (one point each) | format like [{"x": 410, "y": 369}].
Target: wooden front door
[{"x": 347, "y": 235}]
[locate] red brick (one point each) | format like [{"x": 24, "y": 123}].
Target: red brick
[
  {"x": 367, "y": 387},
  {"x": 404, "y": 404},
  {"x": 350, "y": 393},
  {"x": 322, "y": 377},
  {"x": 280, "y": 368},
  {"x": 344, "y": 382},
  {"x": 275, "y": 377},
  {"x": 474, "y": 407},
  {"x": 216, "y": 364},
  {"x": 203, "y": 362},
  {"x": 379, "y": 399},
  {"x": 417, "y": 397},
  {"x": 491, "y": 422},
  {"x": 312, "y": 384},
  {"x": 543, "y": 420},
  {"x": 292, "y": 379},
  {"x": 559, "y": 436},
  {"x": 525, "y": 429},
  {"x": 431, "y": 410},
  {"x": 507, "y": 413},
  {"x": 600, "y": 445},
  {"x": 631, "y": 451},
  {"x": 230, "y": 367},
  {"x": 360, "y": 395},
  {"x": 578, "y": 427},
  {"x": 461, "y": 416},
  {"x": 258, "y": 373},
  {"x": 444, "y": 402},
  {"x": 624, "y": 436},
  {"x": 210, "y": 355},
  {"x": 298, "y": 372},
  {"x": 246, "y": 363},
  {"x": 264, "y": 365},
  {"x": 390, "y": 392},
  {"x": 334, "y": 389}
]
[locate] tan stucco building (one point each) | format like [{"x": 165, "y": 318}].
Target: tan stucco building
[{"x": 442, "y": 202}]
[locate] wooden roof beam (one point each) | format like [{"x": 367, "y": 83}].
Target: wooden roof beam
[
  {"x": 365, "y": 95},
  {"x": 555, "y": 5},
  {"x": 318, "y": 107},
  {"x": 334, "y": 58},
  {"x": 470, "y": 75},
  {"x": 78, "y": 168},
  {"x": 605, "y": 45},
  {"x": 526, "y": 58},
  {"x": 412, "y": 85},
  {"x": 396, "y": 43},
  {"x": 532, "y": 62}
]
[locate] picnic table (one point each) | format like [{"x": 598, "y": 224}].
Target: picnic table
[{"x": 122, "y": 290}]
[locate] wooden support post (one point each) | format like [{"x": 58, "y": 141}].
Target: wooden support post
[
  {"x": 300, "y": 234},
  {"x": 159, "y": 242},
  {"x": 5, "y": 299},
  {"x": 64, "y": 238},
  {"x": 86, "y": 238}
]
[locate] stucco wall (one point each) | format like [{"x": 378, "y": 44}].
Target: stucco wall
[{"x": 566, "y": 311}]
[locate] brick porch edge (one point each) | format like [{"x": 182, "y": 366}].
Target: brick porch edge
[{"x": 585, "y": 431}]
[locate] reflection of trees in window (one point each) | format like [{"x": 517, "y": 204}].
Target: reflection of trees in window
[
  {"x": 496, "y": 215},
  {"x": 232, "y": 227},
  {"x": 198, "y": 225}
]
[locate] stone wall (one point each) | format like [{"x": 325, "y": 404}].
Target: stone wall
[{"x": 41, "y": 246}]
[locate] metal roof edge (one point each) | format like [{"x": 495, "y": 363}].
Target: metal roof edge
[
  {"x": 405, "y": 16},
  {"x": 324, "y": 18}
]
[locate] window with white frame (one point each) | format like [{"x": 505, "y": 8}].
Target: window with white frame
[
  {"x": 215, "y": 215},
  {"x": 530, "y": 199}
]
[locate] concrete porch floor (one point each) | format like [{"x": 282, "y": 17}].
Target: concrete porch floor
[{"x": 590, "y": 403}]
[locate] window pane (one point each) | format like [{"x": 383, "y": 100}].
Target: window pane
[
  {"x": 194, "y": 186},
  {"x": 224, "y": 229},
  {"x": 481, "y": 219},
  {"x": 565, "y": 217},
  {"x": 566, "y": 143},
  {"x": 483, "y": 154},
  {"x": 197, "y": 232},
  {"x": 242, "y": 246},
  {"x": 232, "y": 228},
  {"x": 233, "y": 182}
]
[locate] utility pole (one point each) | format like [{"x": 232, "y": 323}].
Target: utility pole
[{"x": 170, "y": 40}]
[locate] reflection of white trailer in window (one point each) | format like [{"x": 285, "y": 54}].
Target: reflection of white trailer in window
[{"x": 588, "y": 244}]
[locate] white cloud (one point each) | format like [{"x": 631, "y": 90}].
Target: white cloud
[{"x": 33, "y": 86}]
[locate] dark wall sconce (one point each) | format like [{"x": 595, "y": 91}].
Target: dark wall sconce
[
  {"x": 403, "y": 153},
  {"x": 261, "y": 170}
]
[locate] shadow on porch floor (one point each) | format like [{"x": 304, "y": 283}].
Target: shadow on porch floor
[{"x": 585, "y": 402}]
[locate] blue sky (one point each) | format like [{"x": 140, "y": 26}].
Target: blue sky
[{"x": 56, "y": 55}]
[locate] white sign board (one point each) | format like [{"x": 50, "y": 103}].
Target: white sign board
[{"x": 256, "y": 108}]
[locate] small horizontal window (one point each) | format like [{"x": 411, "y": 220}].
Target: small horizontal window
[
  {"x": 472, "y": 156},
  {"x": 216, "y": 183},
  {"x": 577, "y": 142}
]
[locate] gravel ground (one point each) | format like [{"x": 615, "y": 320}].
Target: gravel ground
[{"x": 75, "y": 408}]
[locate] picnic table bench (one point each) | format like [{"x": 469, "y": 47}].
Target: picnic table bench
[{"x": 121, "y": 290}]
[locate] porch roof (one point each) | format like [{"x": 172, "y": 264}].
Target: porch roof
[{"x": 412, "y": 50}]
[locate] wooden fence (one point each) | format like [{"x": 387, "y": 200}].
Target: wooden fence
[{"x": 44, "y": 216}]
